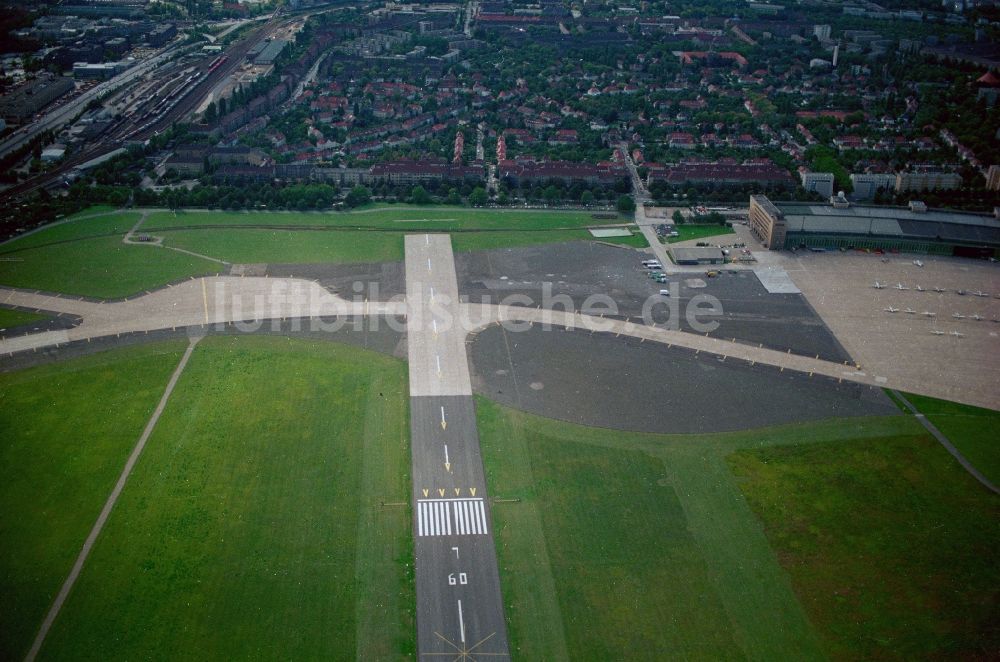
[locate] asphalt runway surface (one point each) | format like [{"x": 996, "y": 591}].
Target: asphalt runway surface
[
  {"x": 459, "y": 610},
  {"x": 376, "y": 281},
  {"x": 602, "y": 381},
  {"x": 577, "y": 270}
]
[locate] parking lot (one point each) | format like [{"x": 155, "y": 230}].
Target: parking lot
[{"x": 577, "y": 270}]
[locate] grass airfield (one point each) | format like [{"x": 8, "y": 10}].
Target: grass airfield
[
  {"x": 252, "y": 525},
  {"x": 267, "y": 517}
]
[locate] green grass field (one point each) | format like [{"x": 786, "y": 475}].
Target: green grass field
[
  {"x": 689, "y": 232},
  {"x": 87, "y": 258},
  {"x": 391, "y": 217},
  {"x": 289, "y": 246},
  {"x": 890, "y": 544},
  {"x": 252, "y": 525},
  {"x": 630, "y": 546},
  {"x": 972, "y": 430},
  {"x": 67, "y": 430},
  {"x": 10, "y": 318}
]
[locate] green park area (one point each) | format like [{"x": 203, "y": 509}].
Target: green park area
[
  {"x": 763, "y": 544},
  {"x": 689, "y": 232},
  {"x": 86, "y": 257},
  {"x": 253, "y": 525}
]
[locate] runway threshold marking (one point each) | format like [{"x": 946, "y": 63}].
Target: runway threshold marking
[{"x": 446, "y": 517}]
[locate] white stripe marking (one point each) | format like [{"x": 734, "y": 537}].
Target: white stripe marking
[{"x": 461, "y": 622}]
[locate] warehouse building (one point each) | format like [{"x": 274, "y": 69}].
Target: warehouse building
[
  {"x": 25, "y": 101},
  {"x": 913, "y": 229},
  {"x": 270, "y": 52},
  {"x": 698, "y": 255}
]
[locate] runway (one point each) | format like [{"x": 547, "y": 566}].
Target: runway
[{"x": 459, "y": 606}]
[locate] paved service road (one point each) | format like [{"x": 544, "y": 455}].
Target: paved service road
[{"x": 459, "y": 607}]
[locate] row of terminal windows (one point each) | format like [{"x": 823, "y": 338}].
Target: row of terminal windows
[{"x": 795, "y": 240}]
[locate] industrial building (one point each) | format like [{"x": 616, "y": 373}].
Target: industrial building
[
  {"x": 25, "y": 101},
  {"x": 270, "y": 52},
  {"x": 698, "y": 255},
  {"x": 913, "y": 229},
  {"x": 101, "y": 71}
]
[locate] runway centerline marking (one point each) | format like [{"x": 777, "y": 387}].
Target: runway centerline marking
[{"x": 461, "y": 623}]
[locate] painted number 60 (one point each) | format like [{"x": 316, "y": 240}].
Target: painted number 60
[{"x": 463, "y": 579}]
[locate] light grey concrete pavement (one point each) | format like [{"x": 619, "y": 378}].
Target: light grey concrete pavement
[
  {"x": 436, "y": 344},
  {"x": 211, "y": 300}
]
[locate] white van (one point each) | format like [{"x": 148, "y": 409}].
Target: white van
[{"x": 664, "y": 293}]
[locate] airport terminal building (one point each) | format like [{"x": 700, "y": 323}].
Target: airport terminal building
[{"x": 913, "y": 229}]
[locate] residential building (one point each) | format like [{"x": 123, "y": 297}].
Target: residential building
[
  {"x": 993, "y": 178},
  {"x": 927, "y": 181},
  {"x": 818, "y": 182},
  {"x": 867, "y": 184}
]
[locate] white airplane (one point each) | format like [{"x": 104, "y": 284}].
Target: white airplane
[
  {"x": 928, "y": 313},
  {"x": 920, "y": 289},
  {"x": 900, "y": 286},
  {"x": 890, "y": 309},
  {"x": 980, "y": 293},
  {"x": 910, "y": 311},
  {"x": 940, "y": 289},
  {"x": 918, "y": 263},
  {"x": 937, "y": 333},
  {"x": 957, "y": 334},
  {"x": 878, "y": 286},
  {"x": 958, "y": 316}
]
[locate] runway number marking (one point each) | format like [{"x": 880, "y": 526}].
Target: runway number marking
[
  {"x": 462, "y": 579},
  {"x": 446, "y": 517},
  {"x": 455, "y": 549}
]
